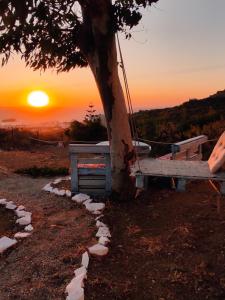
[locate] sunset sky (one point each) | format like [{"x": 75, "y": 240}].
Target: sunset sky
[{"x": 176, "y": 53}]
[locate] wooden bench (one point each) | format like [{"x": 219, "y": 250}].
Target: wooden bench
[
  {"x": 182, "y": 169},
  {"x": 190, "y": 149}
]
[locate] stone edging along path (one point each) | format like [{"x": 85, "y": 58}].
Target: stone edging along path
[
  {"x": 23, "y": 219},
  {"x": 75, "y": 289}
]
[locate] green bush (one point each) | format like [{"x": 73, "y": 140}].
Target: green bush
[
  {"x": 89, "y": 130},
  {"x": 43, "y": 171}
]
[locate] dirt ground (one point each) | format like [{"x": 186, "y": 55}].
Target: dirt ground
[
  {"x": 7, "y": 221},
  {"x": 46, "y": 156},
  {"x": 40, "y": 267},
  {"x": 165, "y": 245}
]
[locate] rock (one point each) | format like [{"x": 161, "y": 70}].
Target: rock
[
  {"x": 80, "y": 271},
  {"x": 26, "y": 220},
  {"x": 47, "y": 188},
  {"x": 80, "y": 198},
  {"x": 61, "y": 193},
  {"x": 98, "y": 250},
  {"x": 22, "y": 213},
  {"x": 29, "y": 228},
  {"x": 56, "y": 181},
  {"x": 87, "y": 202},
  {"x": 103, "y": 240},
  {"x": 103, "y": 231},
  {"x": 85, "y": 260},
  {"x": 68, "y": 193},
  {"x": 99, "y": 217},
  {"x": 20, "y": 207},
  {"x": 55, "y": 191},
  {"x": 96, "y": 212},
  {"x": 50, "y": 189},
  {"x": 76, "y": 294},
  {"x": 76, "y": 282},
  {"x": 94, "y": 207},
  {"x": 100, "y": 224},
  {"x": 3, "y": 201},
  {"x": 75, "y": 287},
  {"x": 21, "y": 235},
  {"x": 11, "y": 205},
  {"x": 6, "y": 243}
]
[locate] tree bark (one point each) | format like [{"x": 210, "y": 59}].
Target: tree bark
[{"x": 102, "y": 58}]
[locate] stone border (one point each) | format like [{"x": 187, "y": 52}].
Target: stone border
[
  {"x": 23, "y": 219},
  {"x": 75, "y": 289}
]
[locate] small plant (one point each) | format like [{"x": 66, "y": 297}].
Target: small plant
[{"x": 43, "y": 171}]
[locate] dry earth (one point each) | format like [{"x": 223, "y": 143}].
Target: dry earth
[
  {"x": 40, "y": 267},
  {"x": 165, "y": 245}
]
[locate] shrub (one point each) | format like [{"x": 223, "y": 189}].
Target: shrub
[{"x": 43, "y": 171}]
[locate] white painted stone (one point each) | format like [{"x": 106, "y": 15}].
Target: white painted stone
[
  {"x": 99, "y": 217},
  {"x": 11, "y": 205},
  {"x": 76, "y": 294},
  {"x": 103, "y": 240},
  {"x": 62, "y": 193},
  {"x": 26, "y": 220},
  {"x": 103, "y": 231},
  {"x": 94, "y": 207},
  {"x": 87, "y": 202},
  {"x": 21, "y": 207},
  {"x": 100, "y": 224},
  {"x": 80, "y": 271},
  {"x": 96, "y": 212},
  {"x": 22, "y": 213},
  {"x": 50, "y": 189},
  {"x": 6, "y": 243},
  {"x": 68, "y": 193},
  {"x": 76, "y": 282},
  {"x": 98, "y": 250},
  {"x": 75, "y": 287},
  {"x": 29, "y": 228},
  {"x": 47, "y": 188},
  {"x": 85, "y": 260},
  {"x": 55, "y": 191},
  {"x": 59, "y": 192},
  {"x": 3, "y": 201},
  {"x": 80, "y": 198},
  {"x": 22, "y": 235},
  {"x": 58, "y": 180}
]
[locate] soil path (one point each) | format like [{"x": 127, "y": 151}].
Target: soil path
[{"x": 40, "y": 267}]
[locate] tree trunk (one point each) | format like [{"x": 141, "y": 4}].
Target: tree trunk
[{"x": 102, "y": 58}]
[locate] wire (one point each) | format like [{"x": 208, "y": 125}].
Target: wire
[
  {"x": 155, "y": 142},
  {"x": 129, "y": 102}
]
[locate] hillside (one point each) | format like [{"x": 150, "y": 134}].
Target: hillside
[{"x": 192, "y": 118}]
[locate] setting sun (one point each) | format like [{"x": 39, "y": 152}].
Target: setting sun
[{"x": 38, "y": 99}]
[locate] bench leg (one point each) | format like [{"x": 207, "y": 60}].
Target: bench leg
[
  {"x": 181, "y": 185},
  {"x": 222, "y": 188},
  {"x": 140, "y": 181}
]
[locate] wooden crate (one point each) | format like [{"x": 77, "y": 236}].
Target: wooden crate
[{"x": 91, "y": 173}]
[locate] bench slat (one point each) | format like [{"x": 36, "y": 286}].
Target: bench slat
[
  {"x": 188, "y": 144},
  {"x": 89, "y": 148},
  {"x": 91, "y": 182},
  {"x": 91, "y": 171},
  {"x": 177, "y": 169}
]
